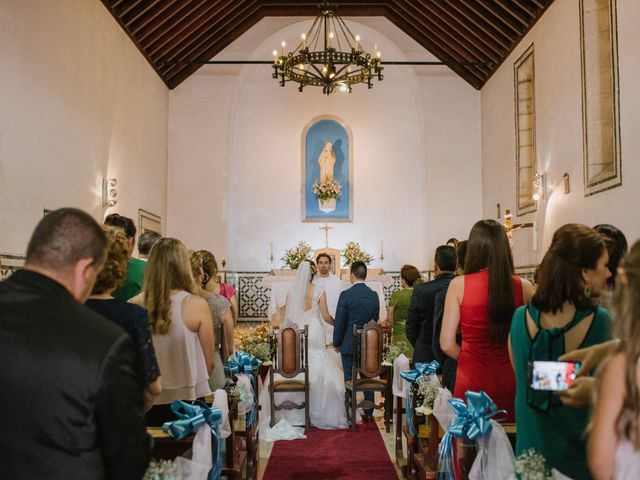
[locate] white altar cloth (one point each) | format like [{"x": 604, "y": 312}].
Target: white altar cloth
[{"x": 279, "y": 286}]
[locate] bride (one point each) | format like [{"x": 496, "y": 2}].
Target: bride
[{"x": 307, "y": 305}]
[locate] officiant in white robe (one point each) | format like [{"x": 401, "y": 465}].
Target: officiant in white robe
[{"x": 332, "y": 287}]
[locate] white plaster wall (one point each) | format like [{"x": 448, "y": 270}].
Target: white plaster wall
[
  {"x": 77, "y": 102},
  {"x": 235, "y": 141},
  {"x": 558, "y": 105}
]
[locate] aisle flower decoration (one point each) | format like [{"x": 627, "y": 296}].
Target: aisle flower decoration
[
  {"x": 426, "y": 397},
  {"x": 294, "y": 256},
  {"x": 531, "y": 465},
  {"x": 354, "y": 253},
  {"x": 394, "y": 351},
  {"x": 327, "y": 190},
  {"x": 255, "y": 341},
  {"x": 162, "y": 470}
]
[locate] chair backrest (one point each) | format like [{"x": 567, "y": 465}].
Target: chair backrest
[
  {"x": 291, "y": 354},
  {"x": 369, "y": 341}
]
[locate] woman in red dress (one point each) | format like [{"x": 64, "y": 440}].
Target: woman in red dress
[{"x": 480, "y": 305}]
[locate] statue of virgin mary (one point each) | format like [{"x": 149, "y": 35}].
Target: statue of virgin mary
[{"x": 327, "y": 161}]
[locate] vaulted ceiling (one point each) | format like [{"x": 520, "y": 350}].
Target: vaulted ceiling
[{"x": 473, "y": 36}]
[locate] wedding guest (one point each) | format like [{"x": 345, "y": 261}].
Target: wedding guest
[
  {"x": 71, "y": 405},
  {"x": 135, "y": 268},
  {"x": 210, "y": 282},
  {"x": 614, "y": 441},
  {"x": 132, "y": 318},
  {"x": 222, "y": 323},
  {"x": 617, "y": 246},
  {"x": 561, "y": 317},
  {"x": 181, "y": 325},
  {"x": 481, "y": 303},
  {"x": 452, "y": 242},
  {"x": 421, "y": 308},
  {"x": 449, "y": 365},
  {"x": 399, "y": 305},
  {"x": 145, "y": 242}
]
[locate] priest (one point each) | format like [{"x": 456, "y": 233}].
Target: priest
[{"x": 331, "y": 285}]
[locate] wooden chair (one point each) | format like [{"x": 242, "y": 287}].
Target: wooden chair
[
  {"x": 291, "y": 361},
  {"x": 368, "y": 349}
]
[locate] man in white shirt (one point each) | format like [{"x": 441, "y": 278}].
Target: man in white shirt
[{"x": 331, "y": 285}]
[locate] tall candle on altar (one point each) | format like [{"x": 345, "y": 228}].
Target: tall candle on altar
[
  {"x": 271, "y": 250},
  {"x": 381, "y": 248}
]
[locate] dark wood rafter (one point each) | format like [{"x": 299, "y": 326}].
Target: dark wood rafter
[{"x": 473, "y": 37}]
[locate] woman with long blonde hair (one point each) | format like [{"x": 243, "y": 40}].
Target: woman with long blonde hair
[
  {"x": 181, "y": 325},
  {"x": 614, "y": 442}
]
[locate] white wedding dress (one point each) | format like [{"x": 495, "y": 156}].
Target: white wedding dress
[{"x": 326, "y": 380}]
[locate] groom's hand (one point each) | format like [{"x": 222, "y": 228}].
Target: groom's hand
[{"x": 337, "y": 349}]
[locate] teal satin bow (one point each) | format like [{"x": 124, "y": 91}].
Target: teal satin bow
[
  {"x": 412, "y": 376},
  {"x": 243, "y": 362},
  {"x": 191, "y": 418},
  {"x": 420, "y": 370},
  {"x": 473, "y": 421}
]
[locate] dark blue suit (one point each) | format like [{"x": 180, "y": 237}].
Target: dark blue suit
[{"x": 356, "y": 306}]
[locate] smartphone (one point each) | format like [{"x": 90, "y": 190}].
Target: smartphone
[{"x": 553, "y": 376}]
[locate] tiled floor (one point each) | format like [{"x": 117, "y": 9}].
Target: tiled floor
[{"x": 388, "y": 438}]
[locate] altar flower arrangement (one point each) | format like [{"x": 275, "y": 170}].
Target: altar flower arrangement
[
  {"x": 327, "y": 189},
  {"x": 427, "y": 394},
  {"x": 255, "y": 341},
  {"x": 354, "y": 253},
  {"x": 294, "y": 256},
  {"x": 394, "y": 351}
]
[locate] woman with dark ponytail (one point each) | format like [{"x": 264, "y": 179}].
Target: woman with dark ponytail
[{"x": 480, "y": 304}]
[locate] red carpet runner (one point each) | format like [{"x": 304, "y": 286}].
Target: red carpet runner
[{"x": 329, "y": 454}]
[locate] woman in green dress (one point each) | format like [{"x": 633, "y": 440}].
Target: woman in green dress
[
  {"x": 399, "y": 306},
  {"x": 561, "y": 317}
]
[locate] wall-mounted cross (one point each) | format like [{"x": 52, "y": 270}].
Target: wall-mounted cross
[{"x": 326, "y": 229}]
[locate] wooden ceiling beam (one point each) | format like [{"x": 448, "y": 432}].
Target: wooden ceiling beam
[
  {"x": 250, "y": 18},
  {"x": 479, "y": 22},
  {"x": 409, "y": 11},
  {"x": 139, "y": 11},
  {"x": 362, "y": 8},
  {"x": 214, "y": 24},
  {"x": 490, "y": 48},
  {"x": 443, "y": 53},
  {"x": 127, "y": 7},
  {"x": 511, "y": 10},
  {"x": 490, "y": 19},
  {"x": 135, "y": 25},
  {"x": 188, "y": 25},
  {"x": 165, "y": 22},
  {"x": 490, "y": 8}
]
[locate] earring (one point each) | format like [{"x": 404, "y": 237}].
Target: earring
[
  {"x": 587, "y": 291},
  {"x": 205, "y": 278}
]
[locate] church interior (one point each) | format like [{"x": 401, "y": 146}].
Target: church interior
[{"x": 191, "y": 118}]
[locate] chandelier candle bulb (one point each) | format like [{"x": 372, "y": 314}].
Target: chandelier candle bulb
[
  {"x": 283, "y": 45},
  {"x": 358, "y": 43}
]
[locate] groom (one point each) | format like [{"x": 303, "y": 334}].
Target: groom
[{"x": 356, "y": 306}]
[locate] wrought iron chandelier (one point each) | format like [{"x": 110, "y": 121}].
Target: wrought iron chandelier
[{"x": 328, "y": 56}]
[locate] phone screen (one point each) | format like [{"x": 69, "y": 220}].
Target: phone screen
[{"x": 553, "y": 376}]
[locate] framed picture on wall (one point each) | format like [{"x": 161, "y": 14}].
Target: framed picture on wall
[
  {"x": 149, "y": 222},
  {"x": 327, "y": 171}
]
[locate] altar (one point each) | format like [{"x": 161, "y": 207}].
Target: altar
[{"x": 279, "y": 287}]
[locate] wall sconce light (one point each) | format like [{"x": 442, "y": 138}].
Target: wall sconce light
[
  {"x": 539, "y": 186},
  {"x": 109, "y": 192},
  {"x": 566, "y": 183}
]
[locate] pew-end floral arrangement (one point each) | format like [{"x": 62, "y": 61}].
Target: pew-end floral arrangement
[{"x": 255, "y": 341}]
